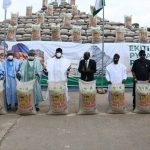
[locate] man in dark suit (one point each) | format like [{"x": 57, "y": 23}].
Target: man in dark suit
[
  {"x": 141, "y": 72},
  {"x": 87, "y": 67}
]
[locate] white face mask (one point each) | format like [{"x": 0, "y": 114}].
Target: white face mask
[
  {"x": 58, "y": 55},
  {"x": 10, "y": 57},
  {"x": 30, "y": 57}
]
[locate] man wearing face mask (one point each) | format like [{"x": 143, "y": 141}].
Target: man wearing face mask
[
  {"x": 9, "y": 72},
  {"x": 116, "y": 72},
  {"x": 87, "y": 67},
  {"x": 58, "y": 67},
  {"x": 32, "y": 69},
  {"x": 140, "y": 71}
]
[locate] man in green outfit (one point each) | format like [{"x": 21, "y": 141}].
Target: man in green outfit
[{"x": 32, "y": 69}]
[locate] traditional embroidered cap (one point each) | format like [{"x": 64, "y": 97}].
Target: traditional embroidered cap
[
  {"x": 31, "y": 52},
  {"x": 10, "y": 52},
  {"x": 141, "y": 52},
  {"x": 59, "y": 50},
  {"x": 116, "y": 55}
]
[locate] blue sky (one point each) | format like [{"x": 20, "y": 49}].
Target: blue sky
[{"x": 114, "y": 9}]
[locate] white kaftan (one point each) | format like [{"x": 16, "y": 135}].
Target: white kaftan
[
  {"x": 57, "y": 69},
  {"x": 116, "y": 73}
]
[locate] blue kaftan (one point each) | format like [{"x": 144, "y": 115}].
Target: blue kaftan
[{"x": 9, "y": 70}]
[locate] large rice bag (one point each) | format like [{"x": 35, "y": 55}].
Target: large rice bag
[
  {"x": 40, "y": 18},
  {"x": 29, "y": 11},
  {"x": 116, "y": 98},
  {"x": 142, "y": 98},
  {"x": 67, "y": 19},
  {"x": 96, "y": 34},
  {"x": 72, "y": 2},
  {"x": 50, "y": 10},
  {"x": 25, "y": 95},
  {"x": 87, "y": 97},
  {"x": 76, "y": 34},
  {"x": 74, "y": 10},
  {"x": 56, "y": 32},
  {"x": 2, "y": 103},
  {"x": 128, "y": 21},
  {"x": 14, "y": 19},
  {"x": 92, "y": 20},
  {"x": 11, "y": 33},
  {"x": 36, "y": 32},
  {"x": 58, "y": 97},
  {"x": 120, "y": 34},
  {"x": 143, "y": 35}
]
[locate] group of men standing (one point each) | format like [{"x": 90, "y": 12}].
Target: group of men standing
[
  {"x": 117, "y": 73},
  {"x": 26, "y": 70},
  {"x": 57, "y": 69}
]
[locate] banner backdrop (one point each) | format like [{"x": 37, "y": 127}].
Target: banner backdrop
[{"x": 128, "y": 53}]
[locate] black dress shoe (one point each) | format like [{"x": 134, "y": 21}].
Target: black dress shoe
[
  {"x": 37, "y": 108},
  {"x": 9, "y": 107}
]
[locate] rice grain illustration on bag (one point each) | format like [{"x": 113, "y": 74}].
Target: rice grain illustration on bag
[
  {"x": 25, "y": 95},
  {"x": 117, "y": 98},
  {"x": 58, "y": 98},
  {"x": 2, "y": 103},
  {"x": 142, "y": 98},
  {"x": 87, "y": 97}
]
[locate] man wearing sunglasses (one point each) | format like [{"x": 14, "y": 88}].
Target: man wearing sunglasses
[{"x": 140, "y": 71}]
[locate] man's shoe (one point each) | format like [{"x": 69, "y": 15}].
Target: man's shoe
[
  {"x": 37, "y": 108},
  {"x": 9, "y": 107}
]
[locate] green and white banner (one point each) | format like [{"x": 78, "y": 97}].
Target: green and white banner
[{"x": 74, "y": 51}]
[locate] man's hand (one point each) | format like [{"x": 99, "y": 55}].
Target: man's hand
[
  {"x": 45, "y": 72},
  {"x": 2, "y": 78},
  {"x": 135, "y": 80},
  {"x": 109, "y": 82},
  {"x": 83, "y": 70},
  {"x": 37, "y": 75},
  {"x": 18, "y": 75},
  {"x": 123, "y": 81},
  {"x": 88, "y": 71}
]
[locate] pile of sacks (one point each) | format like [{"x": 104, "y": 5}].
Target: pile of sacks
[{"x": 58, "y": 98}]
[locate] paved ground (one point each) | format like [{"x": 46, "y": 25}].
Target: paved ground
[{"x": 103, "y": 131}]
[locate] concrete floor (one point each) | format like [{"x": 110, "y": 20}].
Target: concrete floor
[{"x": 103, "y": 131}]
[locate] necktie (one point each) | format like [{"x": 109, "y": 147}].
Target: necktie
[{"x": 86, "y": 63}]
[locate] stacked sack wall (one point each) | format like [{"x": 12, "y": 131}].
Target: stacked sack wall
[{"x": 24, "y": 26}]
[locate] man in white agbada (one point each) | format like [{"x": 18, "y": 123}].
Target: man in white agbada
[
  {"x": 116, "y": 73},
  {"x": 58, "y": 68}
]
